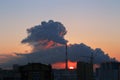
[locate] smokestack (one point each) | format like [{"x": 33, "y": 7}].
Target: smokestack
[{"x": 66, "y": 58}]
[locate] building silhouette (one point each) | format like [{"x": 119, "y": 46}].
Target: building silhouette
[
  {"x": 11, "y": 74},
  {"x": 109, "y": 71},
  {"x": 36, "y": 71},
  {"x": 61, "y": 74},
  {"x": 84, "y": 71}
]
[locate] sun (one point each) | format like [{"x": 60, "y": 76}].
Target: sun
[{"x": 71, "y": 67}]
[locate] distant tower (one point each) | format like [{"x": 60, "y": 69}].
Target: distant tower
[{"x": 66, "y": 58}]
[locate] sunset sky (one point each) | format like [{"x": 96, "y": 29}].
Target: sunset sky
[{"x": 93, "y": 22}]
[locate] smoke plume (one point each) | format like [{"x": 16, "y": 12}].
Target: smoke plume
[
  {"x": 48, "y": 45},
  {"x": 48, "y": 34}
]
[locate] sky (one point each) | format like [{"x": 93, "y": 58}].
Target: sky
[{"x": 93, "y": 22}]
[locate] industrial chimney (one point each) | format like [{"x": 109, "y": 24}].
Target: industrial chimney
[{"x": 66, "y": 58}]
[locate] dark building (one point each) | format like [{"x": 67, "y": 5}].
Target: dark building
[
  {"x": 84, "y": 71},
  {"x": 62, "y": 74},
  {"x": 109, "y": 71},
  {"x": 36, "y": 71},
  {"x": 12, "y": 74}
]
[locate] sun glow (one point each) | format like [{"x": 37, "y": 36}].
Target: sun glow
[{"x": 71, "y": 67}]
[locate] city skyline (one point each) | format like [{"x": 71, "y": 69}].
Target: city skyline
[{"x": 95, "y": 23}]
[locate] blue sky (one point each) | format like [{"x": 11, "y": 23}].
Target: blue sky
[{"x": 93, "y": 22}]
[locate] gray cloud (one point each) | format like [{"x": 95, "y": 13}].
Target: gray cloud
[
  {"x": 46, "y": 35},
  {"x": 76, "y": 52},
  {"x": 48, "y": 45}
]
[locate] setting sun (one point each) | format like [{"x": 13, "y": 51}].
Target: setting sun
[{"x": 71, "y": 67}]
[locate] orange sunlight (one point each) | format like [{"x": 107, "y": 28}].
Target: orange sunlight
[{"x": 61, "y": 65}]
